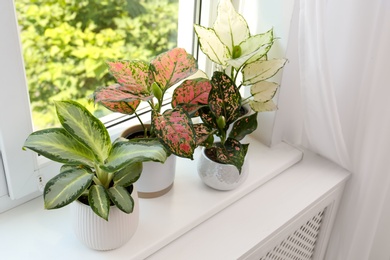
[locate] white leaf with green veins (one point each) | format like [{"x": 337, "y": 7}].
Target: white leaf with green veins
[
  {"x": 230, "y": 26},
  {"x": 66, "y": 187},
  {"x": 261, "y": 70},
  {"x": 58, "y": 145},
  {"x": 211, "y": 45},
  {"x": 84, "y": 127},
  {"x": 262, "y": 106},
  {"x": 253, "y": 48},
  {"x": 264, "y": 91}
]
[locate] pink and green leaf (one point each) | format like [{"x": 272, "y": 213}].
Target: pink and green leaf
[
  {"x": 175, "y": 130},
  {"x": 173, "y": 66},
  {"x": 194, "y": 91},
  {"x": 224, "y": 97},
  {"x": 133, "y": 76},
  {"x": 204, "y": 135},
  {"x": 243, "y": 126},
  {"x": 233, "y": 152}
]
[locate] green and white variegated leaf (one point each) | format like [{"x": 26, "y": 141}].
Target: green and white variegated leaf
[
  {"x": 58, "y": 145},
  {"x": 264, "y": 91},
  {"x": 66, "y": 187},
  {"x": 253, "y": 48},
  {"x": 99, "y": 201},
  {"x": 212, "y": 46},
  {"x": 124, "y": 153},
  {"x": 121, "y": 198},
  {"x": 85, "y": 128},
  {"x": 261, "y": 70},
  {"x": 128, "y": 175},
  {"x": 263, "y": 106},
  {"x": 230, "y": 26}
]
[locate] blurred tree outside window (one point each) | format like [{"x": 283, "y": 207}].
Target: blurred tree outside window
[{"x": 66, "y": 44}]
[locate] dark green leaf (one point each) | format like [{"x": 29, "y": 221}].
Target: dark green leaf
[{"x": 243, "y": 127}]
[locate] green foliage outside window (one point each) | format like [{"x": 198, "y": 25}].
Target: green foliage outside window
[{"x": 66, "y": 44}]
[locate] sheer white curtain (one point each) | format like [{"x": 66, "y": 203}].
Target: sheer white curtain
[{"x": 338, "y": 91}]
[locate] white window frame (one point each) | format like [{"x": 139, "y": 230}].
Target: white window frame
[
  {"x": 23, "y": 169},
  {"x": 23, "y": 173}
]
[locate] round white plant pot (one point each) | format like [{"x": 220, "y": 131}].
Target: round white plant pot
[
  {"x": 156, "y": 178},
  {"x": 220, "y": 176},
  {"x": 99, "y": 234}
]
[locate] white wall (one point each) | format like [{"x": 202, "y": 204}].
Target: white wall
[{"x": 261, "y": 16}]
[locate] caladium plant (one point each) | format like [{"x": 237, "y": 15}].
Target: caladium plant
[
  {"x": 230, "y": 45},
  {"x": 94, "y": 169},
  {"x": 142, "y": 81}
]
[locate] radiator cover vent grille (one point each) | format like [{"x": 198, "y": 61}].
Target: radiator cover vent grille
[{"x": 300, "y": 244}]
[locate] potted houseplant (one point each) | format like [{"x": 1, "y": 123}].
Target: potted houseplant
[
  {"x": 243, "y": 62},
  {"x": 97, "y": 175},
  {"x": 148, "y": 82}
]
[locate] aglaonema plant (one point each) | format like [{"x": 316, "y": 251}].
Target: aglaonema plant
[
  {"x": 242, "y": 61},
  {"x": 94, "y": 170},
  {"x": 139, "y": 81}
]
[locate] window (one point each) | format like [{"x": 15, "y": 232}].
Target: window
[{"x": 20, "y": 171}]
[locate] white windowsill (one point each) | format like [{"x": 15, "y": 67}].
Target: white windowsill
[{"x": 30, "y": 232}]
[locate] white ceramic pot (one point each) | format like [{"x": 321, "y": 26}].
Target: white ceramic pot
[
  {"x": 220, "y": 176},
  {"x": 156, "y": 178},
  {"x": 99, "y": 234}
]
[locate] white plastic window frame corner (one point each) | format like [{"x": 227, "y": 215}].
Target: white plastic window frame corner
[{"x": 22, "y": 169}]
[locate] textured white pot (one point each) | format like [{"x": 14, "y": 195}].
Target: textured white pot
[
  {"x": 100, "y": 234},
  {"x": 156, "y": 178},
  {"x": 220, "y": 176}
]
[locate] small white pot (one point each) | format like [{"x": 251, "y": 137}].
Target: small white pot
[
  {"x": 156, "y": 178},
  {"x": 220, "y": 176},
  {"x": 99, "y": 234}
]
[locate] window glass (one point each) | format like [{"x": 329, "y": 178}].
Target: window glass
[{"x": 67, "y": 42}]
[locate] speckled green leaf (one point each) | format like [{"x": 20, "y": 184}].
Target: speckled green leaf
[
  {"x": 66, "y": 187},
  {"x": 233, "y": 153},
  {"x": 134, "y": 75},
  {"x": 224, "y": 97},
  {"x": 190, "y": 93},
  {"x": 172, "y": 66},
  {"x": 243, "y": 126},
  {"x": 174, "y": 129}
]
